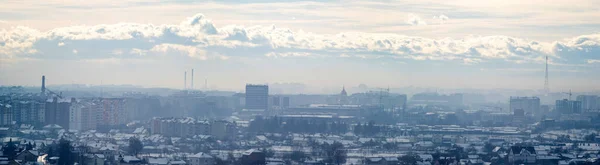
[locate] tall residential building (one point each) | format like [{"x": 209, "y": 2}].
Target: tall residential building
[
  {"x": 26, "y": 109},
  {"x": 530, "y": 105},
  {"x": 112, "y": 112},
  {"x": 568, "y": 106},
  {"x": 57, "y": 112},
  {"x": 588, "y": 102},
  {"x": 257, "y": 96},
  {"x": 29, "y": 112},
  {"x": 6, "y": 115},
  {"x": 83, "y": 115},
  {"x": 286, "y": 102},
  {"x": 276, "y": 101}
]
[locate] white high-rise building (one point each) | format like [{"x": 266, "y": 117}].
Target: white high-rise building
[
  {"x": 83, "y": 115},
  {"x": 588, "y": 102}
]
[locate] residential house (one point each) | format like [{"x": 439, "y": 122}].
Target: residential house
[
  {"x": 27, "y": 156},
  {"x": 253, "y": 156},
  {"x": 201, "y": 159},
  {"x": 522, "y": 154},
  {"x": 158, "y": 161}
]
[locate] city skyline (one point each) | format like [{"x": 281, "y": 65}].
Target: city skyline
[{"x": 500, "y": 44}]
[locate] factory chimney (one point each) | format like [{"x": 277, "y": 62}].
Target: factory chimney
[
  {"x": 43, "y": 85},
  {"x": 192, "y": 85}
]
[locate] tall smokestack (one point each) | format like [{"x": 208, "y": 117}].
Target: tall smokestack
[
  {"x": 184, "y": 80},
  {"x": 43, "y": 84},
  {"x": 192, "y": 85}
]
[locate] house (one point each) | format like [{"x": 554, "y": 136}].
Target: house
[
  {"x": 253, "y": 156},
  {"x": 27, "y": 156},
  {"x": 201, "y": 159},
  {"x": 375, "y": 161},
  {"x": 426, "y": 157},
  {"x": 381, "y": 161},
  {"x": 129, "y": 160},
  {"x": 98, "y": 159},
  {"x": 158, "y": 161},
  {"x": 177, "y": 162},
  {"x": 523, "y": 154},
  {"x": 108, "y": 151}
]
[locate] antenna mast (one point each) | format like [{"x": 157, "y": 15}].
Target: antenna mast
[{"x": 546, "y": 85}]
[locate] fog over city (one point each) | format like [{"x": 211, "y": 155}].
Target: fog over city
[{"x": 132, "y": 82}]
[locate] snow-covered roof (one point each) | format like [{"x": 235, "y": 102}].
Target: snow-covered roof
[
  {"x": 178, "y": 162},
  {"x": 200, "y": 155},
  {"x": 128, "y": 159},
  {"x": 158, "y": 161},
  {"x": 52, "y": 126}
]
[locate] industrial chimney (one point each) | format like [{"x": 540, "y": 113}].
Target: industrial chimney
[
  {"x": 184, "y": 80},
  {"x": 43, "y": 85},
  {"x": 192, "y": 85}
]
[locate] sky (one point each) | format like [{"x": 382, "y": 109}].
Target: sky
[{"x": 426, "y": 43}]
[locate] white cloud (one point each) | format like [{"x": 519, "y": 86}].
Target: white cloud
[
  {"x": 442, "y": 18},
  {"x": 593, "y": 61},
  {"x": 61, "y": 44},
  {"x": 117, "y": 52},
  {"x": 190, "y": 51},
  {"x": 198, "y": 38},
  {"x": 288, "y": 54},
  {"x": 139, "y": 52},
  {"x": 470, "y": 61},
  {"x": 415, "y": 20}
]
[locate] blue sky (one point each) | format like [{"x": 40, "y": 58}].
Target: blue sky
[{"x": 446, "y": 44}]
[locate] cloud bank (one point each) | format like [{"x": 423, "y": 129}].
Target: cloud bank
[{"x": 197, "y": 38}]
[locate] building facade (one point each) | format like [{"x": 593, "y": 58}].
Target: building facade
[
  {"x": 57, "y": 112},
  {"x": 530, "y": 105},
  {"x": 83, "y": 115},
  {"x": 257, "y": 96},
  {"x": 29, "y": 112},
  {"x": 6, "y": 115},
  {"x": 589, "y": 102},
  {"x": 568, "y": 106}
]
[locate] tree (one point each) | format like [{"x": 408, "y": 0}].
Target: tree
[
  {"x": 64, "y": 152},
  {"x": 231, "y": 158},
  {"x": 335, "y": 153},
  {"x": 169, "y": 141},
  {"x": 409, "y": 159},
  {"x": 298, "y": 156},
  {"x": 9, "y": 150},
  {"x": 135, "y": 146},
  {"x": 29, "y": 146},
  {"x": 219, "y": 161},
  {"x": 488, "y": 147},
  {"x": 590, "y": 137}
]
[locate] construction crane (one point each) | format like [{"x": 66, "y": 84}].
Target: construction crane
[
  {"x": 46, "y": 90},
  {"x": 569, "y": 93},
  {"x": 59, "y": 95}
]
